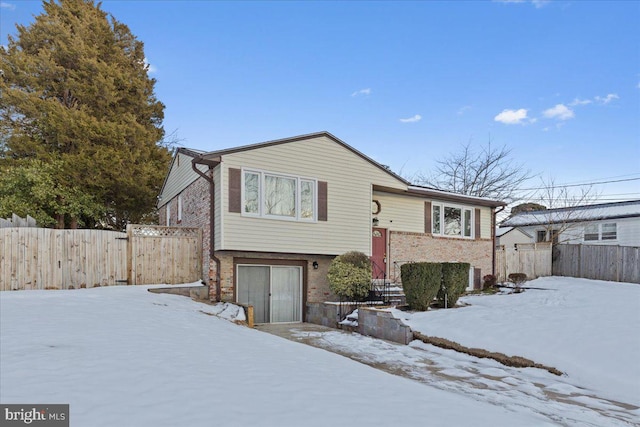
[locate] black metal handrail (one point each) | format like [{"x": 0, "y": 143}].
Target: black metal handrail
[{"x": 379, "y": 273}]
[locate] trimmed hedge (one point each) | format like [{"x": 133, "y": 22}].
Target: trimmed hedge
[
  {"x": 455, "y": 279},
  {"x": 350, "y": 275},
  {"x": 420, "y": 282}
]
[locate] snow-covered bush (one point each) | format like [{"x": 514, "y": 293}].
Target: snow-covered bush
[
  {"x": 420, "y": 282},
  {"x": 350, "y": 275}
]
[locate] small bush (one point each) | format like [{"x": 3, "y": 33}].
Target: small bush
[
  {"x": 489, "y": 281},
  {"x": 358, "y": 259},
  {"x": 517, "y": 278},
  {"x": 350, "y": 275},
  {"x": 421, "y": 281},
  {"x": 455, "y": 279}
]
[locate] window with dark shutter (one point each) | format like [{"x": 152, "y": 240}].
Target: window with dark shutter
[{"x": 477, "y": 223}]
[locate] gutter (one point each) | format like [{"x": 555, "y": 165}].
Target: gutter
[
  {"x": 493, "y": 240},
  {"x": 212, "y": 240}
]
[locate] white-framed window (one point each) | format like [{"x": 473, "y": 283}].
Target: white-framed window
[
  {"x": 179, "y": 208},
  {"x": 591, "y": 232},
  {"x": 452, "y": 221},
  {"x": 168, "y": 214},
  {"x": 278, "y": 196},
  {"x": 604, "y": 231},
  {"x": 609, "y": 231}
]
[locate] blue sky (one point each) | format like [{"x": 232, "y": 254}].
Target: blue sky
[{"x": 407, "y": 83}]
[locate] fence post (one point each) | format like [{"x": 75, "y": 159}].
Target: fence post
[
  {"x": 130, "y": 277},
  {"x": 580, "y": 261},
  {"x": 618, "y": 263}
]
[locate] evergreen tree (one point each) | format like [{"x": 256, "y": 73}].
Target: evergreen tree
[{"x": 76, "y": 94}]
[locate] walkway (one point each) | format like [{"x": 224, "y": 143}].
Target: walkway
[{"x": 554, "y": 397}]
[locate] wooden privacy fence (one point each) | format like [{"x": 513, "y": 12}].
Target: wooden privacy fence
[
  {"x": 613, "y": 263},
  {"x": 533, "y": 259},
  {"x": 164, "y": 254},
  {"x": 43, "y": 258}
]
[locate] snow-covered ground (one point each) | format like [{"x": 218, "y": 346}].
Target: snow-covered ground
[
  {"x": 123, "y": 356},
  {"x": 588, "y": 329}
]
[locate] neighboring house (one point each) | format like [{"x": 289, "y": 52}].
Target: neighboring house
[
  {"x": 600, "y": 224},
  {"x": 282, "y": 210},
  {"x": 509, "y": 237}
]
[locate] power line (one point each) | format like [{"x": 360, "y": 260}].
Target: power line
[
  {"x": 578, "y": 185},
  {"x": 595, "y": 201},
  {"x": 608, "y": 177}
]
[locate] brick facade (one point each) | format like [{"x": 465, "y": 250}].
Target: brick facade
[
  {"x": 316, "y": 282},
  {"x": 419, "y": 247}
]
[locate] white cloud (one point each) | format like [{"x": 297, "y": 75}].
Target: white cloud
[
  {"x": 540, "y": 3},
  {"x": 537, "y": 3},
  {"x": 151, "y": 69},
  {"x": 578, "y": 101},
  {"x": 512, "y": 117},
  {"x": 366, "y": 91},
  {"x": 462, "y": 110},
  {"x": 607, "y": 99},
  {"x": 413, "y": 119},
  {"x": 4, "y": 5},
  {"x": 560, "y": 112}
]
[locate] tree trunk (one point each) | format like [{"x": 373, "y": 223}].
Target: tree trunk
[{"x": 60, "y": 221}]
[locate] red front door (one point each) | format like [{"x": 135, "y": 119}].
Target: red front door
[{"x": 378, "y": 252}]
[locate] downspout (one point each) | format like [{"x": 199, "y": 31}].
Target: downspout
[
  {"x": 212, "y": 239},
  {"x": 493, "y": 239}
]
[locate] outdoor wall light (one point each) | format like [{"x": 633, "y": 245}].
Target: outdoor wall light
[
  {"x": 376, "y": 221},
  {"x": 315, "y": 265}
]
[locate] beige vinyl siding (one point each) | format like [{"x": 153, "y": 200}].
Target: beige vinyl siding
[
  {"x": 350, "y": 179},
  {"x": 485, "y": 223},
  {"x": 406, "y": 213},
  {"x": 180, "y": 176},
  {"x": 400, "y": 213}
]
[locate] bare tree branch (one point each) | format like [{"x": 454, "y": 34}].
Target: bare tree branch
[
  {"x": 488, "y": 173},
  {"x": 559, "y": 221}
]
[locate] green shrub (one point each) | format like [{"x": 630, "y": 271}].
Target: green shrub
[
  {"x": 455, "y": 279},
  {"x": 421, "y": 281},
  {"x": 350, "y": 276},
  {"x": 359, "y": 259}
]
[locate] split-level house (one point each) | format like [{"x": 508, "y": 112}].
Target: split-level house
[
  {"x": 615, "y": 223},
  {"x": 275, "y": 214}
]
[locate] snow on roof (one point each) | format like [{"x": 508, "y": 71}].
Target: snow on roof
[
  {"x": 626, "y": 209},
  {"x": 435, "y": 191}
]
